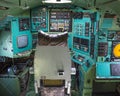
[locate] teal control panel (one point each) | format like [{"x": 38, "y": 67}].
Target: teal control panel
[
  {"x": 39, "y": 19},
  {"x": 21, "y": 35},
  {"x": 84, "y": 37},
  {"x": 108, "y": 56},
  {"x": 16, "y": 38}
]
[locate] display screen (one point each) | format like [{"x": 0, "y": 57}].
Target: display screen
[
  {"x": 60, "y": 21},
  {"x": 22, "y": 41},
  {"x": 115, "y": 69}
]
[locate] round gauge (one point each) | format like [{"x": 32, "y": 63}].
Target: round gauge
[{"x": 116, "y": 50}]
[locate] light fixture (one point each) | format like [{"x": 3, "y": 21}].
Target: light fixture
[{"x": 56, "y": 1}]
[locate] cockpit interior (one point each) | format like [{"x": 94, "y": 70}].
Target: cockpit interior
[{"x": 59, "y": 47}]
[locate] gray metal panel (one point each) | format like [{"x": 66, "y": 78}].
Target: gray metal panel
[{"x": 49, "y": 59}]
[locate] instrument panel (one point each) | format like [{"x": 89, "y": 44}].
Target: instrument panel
[
  {"x": 84, "y": 38},
  {"x": 39, "y": 19},
  {"x": 51, "y": 20},
  {"x": 108, "y": 55},
  {"x": 60, "y": 21},
  {"x": 24, "y": 24},
  {"x": 81, "y": 44}
]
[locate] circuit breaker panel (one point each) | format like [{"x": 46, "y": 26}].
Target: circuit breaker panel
[{"x": 85, "y": 28}]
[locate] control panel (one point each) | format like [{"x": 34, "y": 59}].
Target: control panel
[
  {"x": 39, "y": 19},
  {"x": 85, "y": 28},
  {"x": 81, "y": 44},
  {"x": 24, "y": 24},
  {"x": 16, "y": 38},
  {"x": 108, "y": 54},
  {"x": 102, "y": 48},
  {"x": 108, "y": 45},
  {"x": 51, "y": 20},
  {"x": 84, "y": 60},
  {"x": 21, "y": 36},
  {"x": 108, "y": 70},
  {"x": 60, "y": 21}
]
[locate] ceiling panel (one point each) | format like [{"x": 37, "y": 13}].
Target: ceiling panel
[{"x": 88, "y": 4}]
